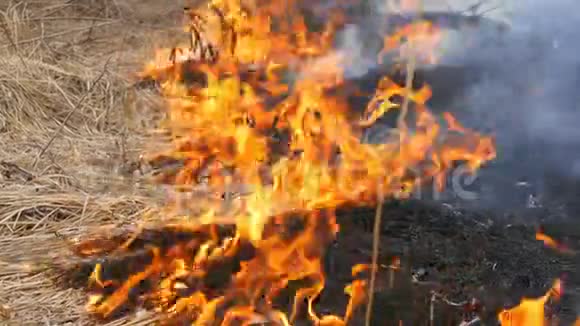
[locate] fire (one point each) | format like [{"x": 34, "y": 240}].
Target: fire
[
  {"x": 551, "y": 242},
  {"x": 268, "y": 147},
  {"x": 530, "y": 312}
]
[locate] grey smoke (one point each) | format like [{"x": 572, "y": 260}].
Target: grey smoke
[
  {"x": 529, "y": 95},
  {"x": 349, "y": 42},
  {"x": 527, "y": 92}
]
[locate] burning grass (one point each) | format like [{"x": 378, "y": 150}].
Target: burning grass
[{"x": 235, "y": 120}]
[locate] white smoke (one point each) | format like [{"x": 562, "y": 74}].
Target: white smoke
[
  {"x": 350, "y": 44},
  {"x": 529, "y": 93}
]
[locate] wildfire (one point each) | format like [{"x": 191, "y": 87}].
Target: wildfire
[
  {"x": 268, "y": 147},
  {"x": 552, "y": 243}
]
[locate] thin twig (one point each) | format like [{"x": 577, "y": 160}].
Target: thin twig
[
  {"x": 447, "y": 301},
  {"x": 376, "y": 239},
  {"x": 81, "y": 18},
  {"x": 70, "y": 113},
  {"x": 401, "y": 125},
  {"x": 54, "y": 8},
  {"x": 471, "y": 322},
  {"x": 38, "y": 38},
  {"x": 378, "y": 216},
  {"x": 432, "y": 310},
  {"x": 410, "y": 76},
  {"x": 12, "y": 43}
]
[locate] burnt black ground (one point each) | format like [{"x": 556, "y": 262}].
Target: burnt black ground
[
  {"x": 462, "y": 255},
  {"x": 478, "y": 261}
]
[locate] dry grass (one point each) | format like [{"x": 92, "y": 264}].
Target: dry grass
[{"x": 71, "y": 129}]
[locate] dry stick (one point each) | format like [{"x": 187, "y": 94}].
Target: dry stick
[
  {"x": 81, "y": 18},
  {"x": 12, "y": 43},
  {"x": 38, "y": 38},
  {"x": 432, "y": 311},
  {"x": 471, "y": 322},
  {"x": 70, "y": 113},
  {"x": 401, "y": 125},
  {"x": 378, "y": 216},
  {"x": 410, "y": 76},
  {"x": 375, "y": 262}
]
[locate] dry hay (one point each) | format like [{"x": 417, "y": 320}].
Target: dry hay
[{"x": 71, "y": 129}]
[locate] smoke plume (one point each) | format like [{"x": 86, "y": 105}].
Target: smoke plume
[
  {"x": 528, "y": 96},
  {"x": 520, "y": 83}
]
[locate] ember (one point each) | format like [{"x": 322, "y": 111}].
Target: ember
[
  {"x": 530, "y": 311},
  {"x": 552, "y": 243},
  {"x": 257, "y": 110}
]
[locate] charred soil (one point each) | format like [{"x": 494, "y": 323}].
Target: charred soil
[{"x": 437, "y": 264}]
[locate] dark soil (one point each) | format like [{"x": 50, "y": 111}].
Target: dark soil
[
  {"x": 470, "y": 264},
  {"x": 468, "y": 258}
]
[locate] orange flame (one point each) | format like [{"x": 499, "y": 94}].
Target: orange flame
[
  {"x": 530, "y": 312},
  {"x": 257, "y": 105},
  {"x": 551, "y": 242}
]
